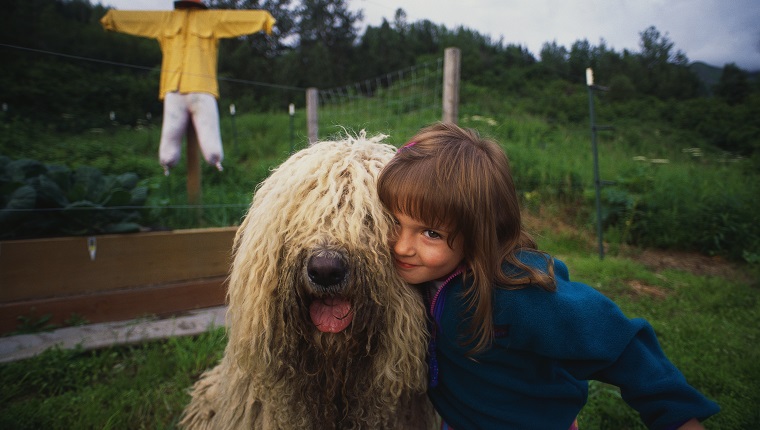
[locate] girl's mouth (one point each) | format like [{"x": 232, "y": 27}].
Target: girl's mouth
[{"x": 403, "y": 265}]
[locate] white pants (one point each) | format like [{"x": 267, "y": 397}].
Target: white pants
[{"x": 178, "y": 110}]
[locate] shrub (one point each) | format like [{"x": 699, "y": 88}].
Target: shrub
[{"x": 39, "y": 200}]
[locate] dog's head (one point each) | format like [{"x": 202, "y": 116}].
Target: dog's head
[{"x": 312, "y": 262}]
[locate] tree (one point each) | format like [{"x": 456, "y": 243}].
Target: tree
[
  {"x": 383, "y": 50},
  {"x": 656, "y": 49},
  {"x": 621, "y": 88},
  {"x": 326, "y": 36},
  {"x": 665, "y": 72},
  {"x": 734, "y": 86},
  {"x": 424, "y": 37},
  {"x": 269, "y": 46},
  {"x": 579, "y": 60},
  {"x": 399, "y": 21},
  {"x": 554, "y": 60},
  {"x": 257, "y": 57}
]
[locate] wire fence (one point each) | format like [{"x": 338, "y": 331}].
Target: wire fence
[{"x": 395, "y": 104}]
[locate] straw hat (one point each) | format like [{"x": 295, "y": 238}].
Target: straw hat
[{"x": 189, "y": 4}]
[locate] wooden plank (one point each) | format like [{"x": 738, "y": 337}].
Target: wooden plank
[
  {"x": 118, "y": 305},
  {"x": 42, "y": 268}
]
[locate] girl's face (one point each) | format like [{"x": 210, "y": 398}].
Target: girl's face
[{"x": 422, "y": 253}]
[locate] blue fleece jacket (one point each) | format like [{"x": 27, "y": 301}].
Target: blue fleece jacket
[{"x": 547, "y": 345}]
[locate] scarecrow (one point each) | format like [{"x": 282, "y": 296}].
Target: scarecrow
[{"x": 189, "y": 37}]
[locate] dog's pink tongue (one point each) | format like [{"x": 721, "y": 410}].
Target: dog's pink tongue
[{"x": 331, "y": 315}]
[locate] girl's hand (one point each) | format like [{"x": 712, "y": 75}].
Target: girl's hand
[{"x": 692, "y": 424}]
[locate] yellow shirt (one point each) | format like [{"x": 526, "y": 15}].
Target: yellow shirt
[{"x": 189, "y": 40}]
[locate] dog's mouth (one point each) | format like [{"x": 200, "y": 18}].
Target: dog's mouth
[{"x": 331, "y": 314}]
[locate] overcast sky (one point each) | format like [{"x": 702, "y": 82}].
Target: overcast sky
[{"x": 716, "y": 32}]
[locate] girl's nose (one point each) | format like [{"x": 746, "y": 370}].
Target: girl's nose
[{"x": 403, "y": 245}]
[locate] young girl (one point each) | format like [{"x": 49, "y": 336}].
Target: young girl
[{"x": 514, "y": 341}]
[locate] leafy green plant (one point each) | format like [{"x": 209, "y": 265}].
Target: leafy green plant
[
  {"x": 75, "y": 320},
  {"x": 31, "y": 324},
  {"x": 39, "y": 200}
]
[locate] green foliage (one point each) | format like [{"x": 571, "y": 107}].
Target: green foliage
[
  {"x": 385, "y": 49},
  {"x": 670, "y": 187},
  {"x": 621, "y": 88},
  {"x": 60, "y": 91},
  {"x": 664, "y": 206},
  {"x": 35, "y": 324},
  {"x": 327, "y": 32},
  {"x": 39, "y": 200},
  {"x": 733, "y": 128},
  {"x": 27, "y": 324},
  {"x": 734, "y": 85}
]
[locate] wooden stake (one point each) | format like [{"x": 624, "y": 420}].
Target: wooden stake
[
  {"x": 451, "y": 73},
  {"x": 312, "y": 122}
]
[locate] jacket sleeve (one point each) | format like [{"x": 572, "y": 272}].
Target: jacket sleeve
[
  {"x": 651, "y": 384},
  {"x": 234, "y": 23},
  {"x": 609, "y": 347},
  {"x": 137, "y": 23}
]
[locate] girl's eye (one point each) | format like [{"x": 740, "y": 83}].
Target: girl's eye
[{"x": 432, "y": 234}]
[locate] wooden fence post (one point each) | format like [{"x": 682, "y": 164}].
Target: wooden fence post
[
  {"x": 451, "y": 71},
  {"x": 312, "y": 124}
]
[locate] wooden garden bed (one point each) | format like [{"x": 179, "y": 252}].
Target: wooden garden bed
[{"x": 113, "y": 277}]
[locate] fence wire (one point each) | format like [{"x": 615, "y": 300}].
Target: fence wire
[{"x": 396, "y": 104}]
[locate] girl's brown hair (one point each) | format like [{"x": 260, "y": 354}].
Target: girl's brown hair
[{"x": 448, "y": 176}]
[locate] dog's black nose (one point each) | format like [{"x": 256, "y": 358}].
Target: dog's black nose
[{"x": 326, "y": 270}]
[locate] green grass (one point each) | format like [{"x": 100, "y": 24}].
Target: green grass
[
  {"x": 707, "y": 326},
  {"x": 137, "y": 387},
  {"x": 662, "y": 193}
]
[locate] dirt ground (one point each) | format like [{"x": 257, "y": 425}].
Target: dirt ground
[
  {"x": 655, "y": 259},
  {"x": 690, "y": 262}
]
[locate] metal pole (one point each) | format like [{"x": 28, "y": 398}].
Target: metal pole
[{"x": 597, "y": 181}]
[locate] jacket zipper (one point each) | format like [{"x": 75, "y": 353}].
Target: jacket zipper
[{"x": 436, "y": 310}]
